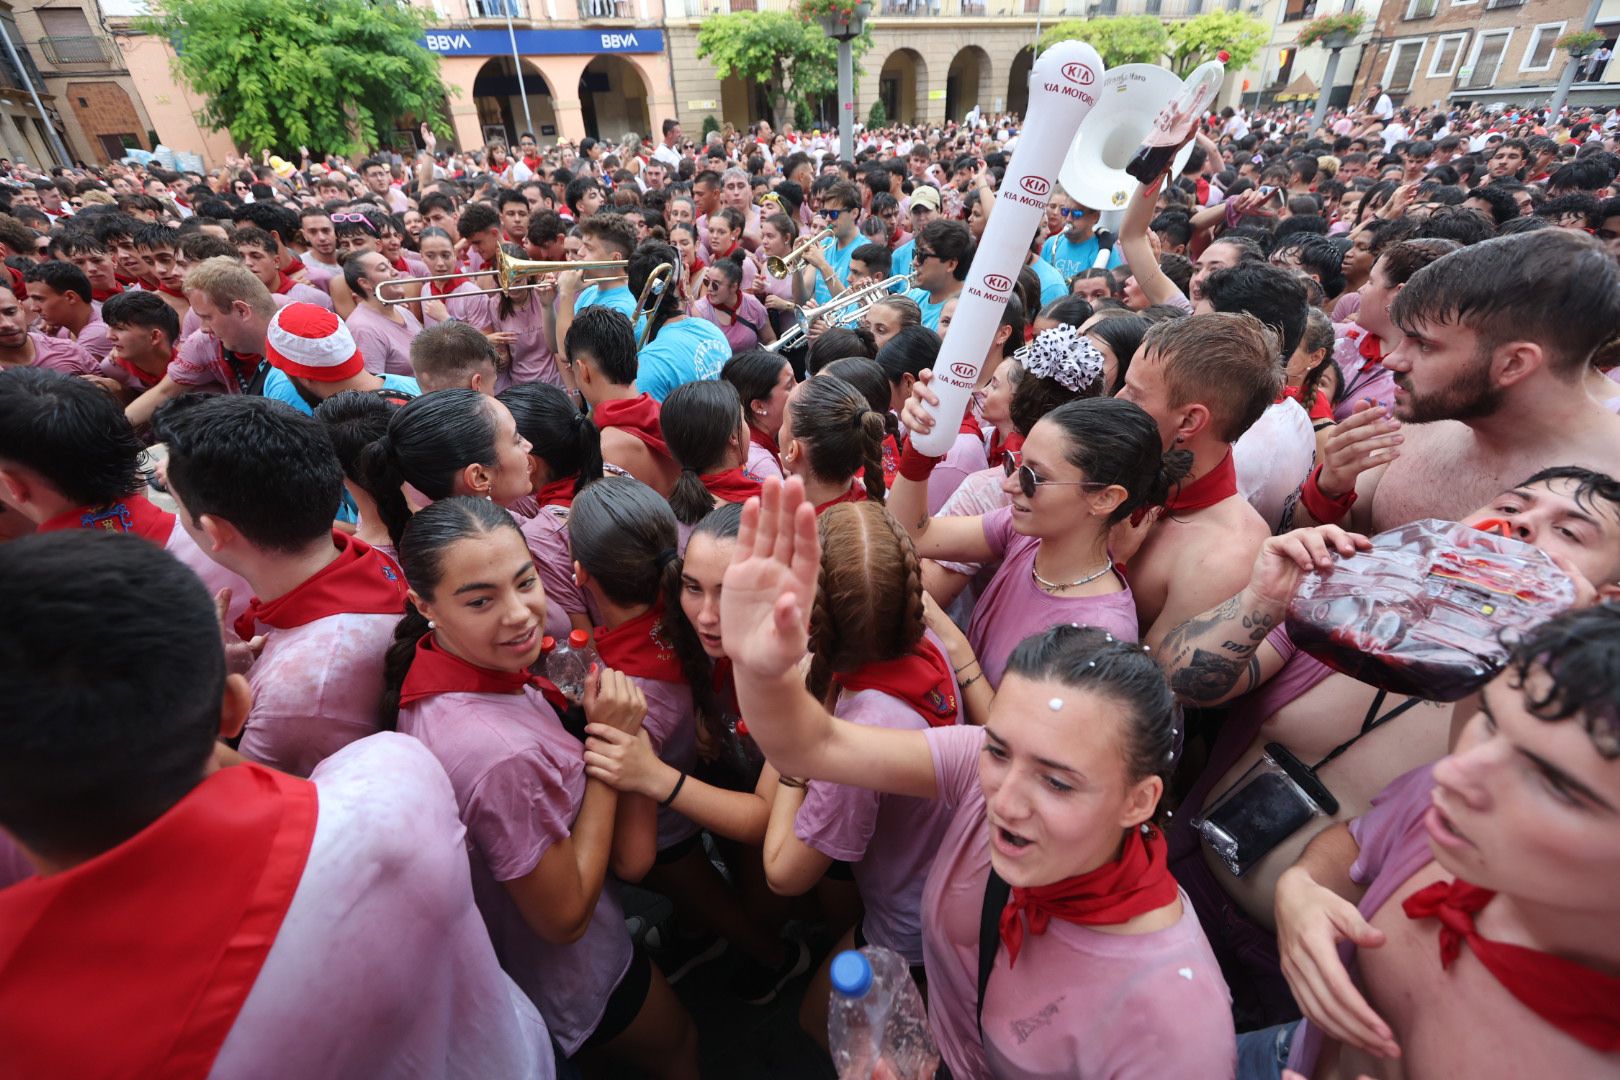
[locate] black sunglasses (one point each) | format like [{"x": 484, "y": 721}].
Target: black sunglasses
[{"x": 1013, "y": 465}]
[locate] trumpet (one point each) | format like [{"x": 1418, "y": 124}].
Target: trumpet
[
  {"x": 781, "y": 268},
  {"x": 511, "y": 275},
  {"x": 857, "y": 301}
]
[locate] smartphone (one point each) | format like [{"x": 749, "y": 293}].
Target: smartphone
[{"x": 1271, "y": 194}]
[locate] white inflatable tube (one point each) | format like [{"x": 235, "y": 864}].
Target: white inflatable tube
[{"x": 1062, "y": 90}]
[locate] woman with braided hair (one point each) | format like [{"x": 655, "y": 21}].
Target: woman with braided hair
[{"x": 872, "y": 662}]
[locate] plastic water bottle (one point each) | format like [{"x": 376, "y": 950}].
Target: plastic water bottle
[
  {"x": 877, "y": 1015},
  {"x": 746, "y": 756},
  {"x": 570, "y": 663}
]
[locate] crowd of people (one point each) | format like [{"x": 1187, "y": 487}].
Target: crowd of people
[{"x": 312, "y": 484}]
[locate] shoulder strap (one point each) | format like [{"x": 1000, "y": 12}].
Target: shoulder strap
[{"x": 996, "y": 893}]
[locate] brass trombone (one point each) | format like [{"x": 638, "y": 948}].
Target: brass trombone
[
  {"x": 511, "y": 275},
  {"x": 859, "y": 301},
  {"x": 781, "y": 268},
  {"x": 647, "y": 303}
]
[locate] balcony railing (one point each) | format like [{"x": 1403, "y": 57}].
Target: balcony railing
[
  {"x": 496, "y": 9},
  {"x": 63, "y": 51},
  {"x": 1422, "y": 9},
  {"x": 604, "y": 9}
]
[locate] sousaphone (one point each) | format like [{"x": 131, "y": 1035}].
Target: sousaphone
[{"x": 1128, "y": 100}]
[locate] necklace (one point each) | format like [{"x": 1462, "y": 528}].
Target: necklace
[{"x": 1057, "y": 586}]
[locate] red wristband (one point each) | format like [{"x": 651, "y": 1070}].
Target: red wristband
[
  {"x": 1325, "y": 508},
  {"x": 916, "y": 465}
]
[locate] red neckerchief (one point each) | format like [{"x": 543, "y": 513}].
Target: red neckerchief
[
  {"x": 125, "y": 279},
  {"x": 891, "y": 462},
  {"x": 556, "y": 493},
  {"x": 638, "y": 416},
  {"x": 731, "y": 486},
  {"x": 1371, "y": 348},
  {"x": 639, "y": 648},
  {"x": 132, "y": 514},
  {"x": 854, "y": 493},
  {"x": 137, "y": 962},
  {"x": 103, "y": 295},
  {"x": 358, "y": 582},
  {"x": 166, "y": 291},
  {"x": 1136, "y": 883},
  {"x": 499, "y": 169},
  {"x": 285, "y": 284},
  {"x": 532, "y": 164},
  {"x": 970, "y": 426},
  {"x": 444, "y": 288},
  {"x": 19, "y": 287},
  {"x": 436, "y": 671},
  {"x": 1217, "y": 484},
  {"x": 401, "y": 265},
  {"x": 759, "y": 438},
  {"x": 1318, "y": 409},
  {"x": 149, "y": 285},
  {"x": 726, "y": 254},
  {"x": 999, "y": 450},
  {"x": 921, "y": 679},
  {"x": 1572, "y": 997},
  {"x": 894, "y": 238},
  {"x": 145, "y": 378}
]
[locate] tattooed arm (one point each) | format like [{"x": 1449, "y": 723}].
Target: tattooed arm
[{"x": 1221, "y": 654}]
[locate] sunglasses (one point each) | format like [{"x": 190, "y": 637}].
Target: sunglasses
[
  {"x": 1028, "y": 481},
  {"x": 1074, "y": 213},
  {"x": 831, "y": 214},
  {"x": 355, "y": 219},
  {"x": 919, "y": 256}
]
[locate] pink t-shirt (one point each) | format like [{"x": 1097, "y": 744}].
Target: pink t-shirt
[
  {"x": 1393, "y": 845},
  {"x": 762, "y": 463},
  {"x": 385, "y": 344},
  {"x": 93, "y": 338},
  {"x": 519, "y": 779},
  {"x": 214, "y": 576},
  {"x": 62, "y": 354},
  {"x": 965, "y": 457},
  {"x": 532, "y": 358},
  {"x": 308, "y": 294},
  {"x": 743, "y": 331},
  {"x": 672, "y": 730},
  {"x": 1012, "y": 606},
  {"x": 547, "y": 536},
  {"x": 1359, "y": 377},
  {"x": 456, "y": 303},
  {"x": 316, "y": 689},
  {"x": 1081, "y": 1002},
  {"x": 382, "y": 966},
  {"x": 889, "y": 840}
]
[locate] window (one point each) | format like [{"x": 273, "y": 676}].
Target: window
[
  {"x": 1421, "y": 9},
  {"x": 1489, "y": 48},
  {"x": 1538, "y": 55},
  {"x": 1492, "y": 5},
  {"x": 1403, "y": 62},
  {"x": 1447, "y": 52},
  {"x": 1299, "y": 9}
]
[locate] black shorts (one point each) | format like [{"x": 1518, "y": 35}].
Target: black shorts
[
  {"x": 679, "y": 850},
  {"x": 625, "y": 1003}
]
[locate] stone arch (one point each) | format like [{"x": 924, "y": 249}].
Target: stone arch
[
  {"x": 613, "y": 98},
  {"x": 1018, "y": 81},
  {"x": 967, "y": 83},
  {"x": 903, "y": 86},
  {"x": 500, "y": 106}
]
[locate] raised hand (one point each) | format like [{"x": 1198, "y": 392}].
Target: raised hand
[
  {"x": 770, "y": 587},
  {"x": 917, "y": 412},
  {"x": 1366, "y": 439}
]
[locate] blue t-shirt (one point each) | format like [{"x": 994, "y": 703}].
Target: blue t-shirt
[
  {"x": 930, "y": 310},
  {"x": 280, "y": 388},
  {"x": 900, "y": 259},
  {"x": 1053, "y": 285},
  {"x": 1071, "y": 258},
  {"x": 683, "y": 352},
  {"x": 838, "y": 259},
  {"x": 619, "y": 298}
]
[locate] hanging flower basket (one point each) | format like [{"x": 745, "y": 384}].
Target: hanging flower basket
[
  {"x": 1579, "y": 43},
  {"x": 842, "y": 20},
  {"x": 1332, "y": 31}
]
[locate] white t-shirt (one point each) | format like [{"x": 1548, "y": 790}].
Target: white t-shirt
[
  {"x": 382, "y": 966},
  {"x": 1273, "y": 458},
  {"x": 1383, "y": 108}
]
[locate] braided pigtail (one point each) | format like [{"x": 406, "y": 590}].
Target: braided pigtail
[
  {"x": 872, "y": 434},
  {"x": 397, "y": 663},
  {"x": 913, "y": 619}
]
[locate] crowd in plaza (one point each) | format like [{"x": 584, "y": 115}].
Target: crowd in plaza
[{"x": 313, "y": 471}]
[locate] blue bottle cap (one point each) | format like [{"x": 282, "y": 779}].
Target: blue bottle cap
[{"x": 851, "y": 974}]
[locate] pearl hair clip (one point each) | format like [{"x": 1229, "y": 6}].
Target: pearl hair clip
[{"x": 1063, "y": 354}]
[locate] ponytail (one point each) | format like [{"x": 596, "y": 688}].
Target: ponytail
[
  {"x": 397, "y": 663},
  {"x": 356, "y": 421},
  {"x": 1115, "y": 441},
  {"x": 873, "y": 430},
  {"x": 839, "y": 432},
  {"x": 378, "y": 468},
  {"x": 559, "y": 433},
  {"x": 701, "y": 422},
  {"x": 690, "y": 500}
]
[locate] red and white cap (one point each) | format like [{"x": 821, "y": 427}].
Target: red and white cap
[{"x": 308, "y": 341}]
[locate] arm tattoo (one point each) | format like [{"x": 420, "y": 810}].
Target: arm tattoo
[{"x": 1211, "y": 655}]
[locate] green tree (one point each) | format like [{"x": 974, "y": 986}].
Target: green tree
[
  {"x": 1201, "y": 37},
  {"x": 331, "y": 75},
  {"x": 1123, "y": 39},
  {"x": 792, "y": 59}
]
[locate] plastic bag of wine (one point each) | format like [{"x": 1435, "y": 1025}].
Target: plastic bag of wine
[{"x": 1429, "y": 609}]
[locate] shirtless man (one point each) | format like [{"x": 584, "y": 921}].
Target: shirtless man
[
  {"x": 601, "y": 352},
  {"x": 1204, "y": 380},
  {"x": 1239, "y": 652},
  {"x": 1490, "y": 385},
  {"x": 1524, "y": 810}
]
